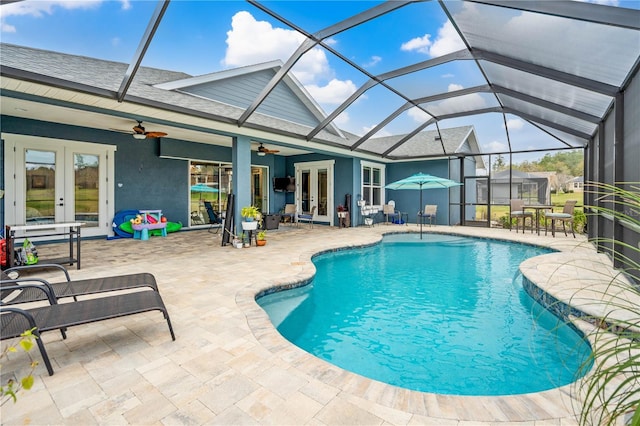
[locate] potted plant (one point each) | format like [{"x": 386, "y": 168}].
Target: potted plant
[
  {"x": 261, "y": 238},
  {"x": 249, "y": 213}
]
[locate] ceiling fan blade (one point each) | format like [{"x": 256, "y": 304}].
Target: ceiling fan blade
[
  {"x": 121, "y": 130},
  {"x": 155, "y": 134},
  {"x": 271, "y": 151}
]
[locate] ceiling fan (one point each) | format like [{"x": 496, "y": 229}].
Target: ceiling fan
[
  {"x": 139, "y": 132},
  {"x": 264, "y": 151}
]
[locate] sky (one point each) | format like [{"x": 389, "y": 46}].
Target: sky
[{"x": 201, "y": 37}]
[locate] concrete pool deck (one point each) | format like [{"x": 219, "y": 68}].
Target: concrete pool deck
[{"x": 230, "y": 366}]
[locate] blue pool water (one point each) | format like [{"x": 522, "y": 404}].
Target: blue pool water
[{"x": 445, "y": 314}]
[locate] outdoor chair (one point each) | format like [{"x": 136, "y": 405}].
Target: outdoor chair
[
  {"x": 11, "y": 294},
  {"x": 214, "y": 218},
  {"x": 196, "y": 218},
  {"x": 564, "y": 217},
  {"x": 429, "y": 212},
  {"x": 59, "y": 316},
  {"x": 517, "y": 211},
  {"x": 289, "y": 213},
  {"x": 307, "y": 217},
  {"x": 389, "y": 211}
]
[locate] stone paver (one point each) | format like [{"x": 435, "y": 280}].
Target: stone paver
[{"x": 229, "y": 365}]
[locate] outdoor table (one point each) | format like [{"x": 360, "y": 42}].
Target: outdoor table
[
  {"x": 66, "y": 229},
  {"x": 537, "y": 208}
]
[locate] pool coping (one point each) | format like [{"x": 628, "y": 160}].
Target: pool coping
[{"x": 554, "y": 404}]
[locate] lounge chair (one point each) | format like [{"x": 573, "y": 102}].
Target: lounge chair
[
  {"x": 58, "y": 316},
  {"x": 429, "y": 212},
  {"x": 214, "y": 218},
  {"x": 564, "y": 217},
  {"x": 306, "y": 217},
  {"x": 11, "y": 296},
  {"x": 516, "y": 210}
]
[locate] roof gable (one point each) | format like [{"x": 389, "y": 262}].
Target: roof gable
[{"x": 241, "y": 86}]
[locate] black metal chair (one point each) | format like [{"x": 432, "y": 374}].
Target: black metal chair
[
  {"x": 214, "y": 218},
  {"x": 54, "y": 316},
  {"x": 11, "y": 294}
]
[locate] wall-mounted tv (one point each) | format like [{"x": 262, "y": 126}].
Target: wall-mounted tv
[{"x": 286, "y": 184}]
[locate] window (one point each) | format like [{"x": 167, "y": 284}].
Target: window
[{"x": 373, "y": 183}]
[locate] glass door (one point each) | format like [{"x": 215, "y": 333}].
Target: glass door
[
  {"x": 58, "y": 181},
  {"x": 314, "y": 187},
  {"x": 260, "y": 188}
]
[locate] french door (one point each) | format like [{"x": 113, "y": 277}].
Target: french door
[
  {"x": 314, "y": 187},
  {"x": 53, "y": 180}
]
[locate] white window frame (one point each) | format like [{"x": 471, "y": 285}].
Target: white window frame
[{"x": 382, "y": 169}]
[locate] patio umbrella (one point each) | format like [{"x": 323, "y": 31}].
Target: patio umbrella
[
  {"x": 422, "y": 181},
  {"x": 201, "y": 187}
]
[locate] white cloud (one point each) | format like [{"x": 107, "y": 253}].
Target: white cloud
[
  {"x": 342, "y": 119},
  {"x": 514, "y": 124},
  {"x": 418, "y": 115},
  {"x": 374, "y": 61},
  {"x": 448, "y": 75},
  {"x": 333, "y": 93},
  {"x": 494, "y": 146},
  {"x": 39, "y": 8},
  {"x": 420, "y": 44},
  {"x": 447, "y": 41},
  {"x": 251, "y": 42}
]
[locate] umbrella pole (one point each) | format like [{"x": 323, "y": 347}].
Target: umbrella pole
[{"x": 419, "y": 217}]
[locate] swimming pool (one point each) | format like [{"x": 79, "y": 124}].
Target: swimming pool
[{"x": 443, "y": 315}]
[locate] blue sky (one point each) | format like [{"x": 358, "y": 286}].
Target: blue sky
[{"x": 200, "y": 37}]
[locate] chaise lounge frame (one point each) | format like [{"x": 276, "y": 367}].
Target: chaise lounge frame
[
  {"x": 58, "y": 316},
  {"x": 69, "y": 288}
]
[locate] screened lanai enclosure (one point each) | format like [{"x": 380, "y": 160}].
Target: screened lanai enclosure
[{"x": 531, "y": 77}]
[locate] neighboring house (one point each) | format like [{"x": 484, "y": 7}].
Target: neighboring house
[
  {"x": 60, "y": 112},
  {"x": 576, "y": 184},
  {"x": 533, "y": 187}
]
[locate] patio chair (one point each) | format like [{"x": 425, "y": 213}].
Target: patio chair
[
  {"x": 289, "y": 213},
  {"x": 389, "y": 211},
  {"x": 11, "y": 294},
  {"x": 429, "y": 212},
  {"x": 59, "y": 316},
  {"x": 517, "y": 211},
  {"x": 307, "y": 217},
  {"x": 214, "y": 218},
  {"x": 196, "y": 218},
  {"x": 565, "y": 217}
]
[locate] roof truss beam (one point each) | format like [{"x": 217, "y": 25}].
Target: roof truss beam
[
  {"x": 413, "y": 103},
  {"x": 563, "y": 77},
  {"x": 459, "y": 55},
  {"x": 154, "y": 22},
  {"x": 546, "y": 104},
  {"x": 599, "y": 14},
  {"x": 311, "y": 41}
]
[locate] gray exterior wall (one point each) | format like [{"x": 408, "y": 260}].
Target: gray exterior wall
[
  {"x": 242, "y": 90},
  {"x": 409, "y": 200},
  {"x": 148, "y": 180}
]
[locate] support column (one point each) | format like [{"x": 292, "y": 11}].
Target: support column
[{"x": 241, "y": 159}]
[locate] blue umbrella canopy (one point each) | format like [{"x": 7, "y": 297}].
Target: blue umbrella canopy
[
  {"x": 422, "y": 181},
  {"x": 201, "y": 187}
]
